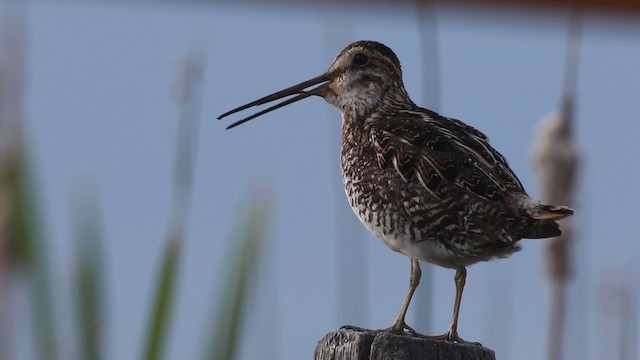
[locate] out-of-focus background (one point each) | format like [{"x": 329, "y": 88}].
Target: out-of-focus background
[{"x": 133, "y": 225}]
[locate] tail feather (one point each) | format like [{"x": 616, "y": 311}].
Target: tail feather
[
  {"x": 545, "y": 229},
  {"x": 552, "y": 212},
  {"x": 543, "y": 221}
]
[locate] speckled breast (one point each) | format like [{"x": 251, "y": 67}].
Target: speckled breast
[{"x": 382, "y": 201}]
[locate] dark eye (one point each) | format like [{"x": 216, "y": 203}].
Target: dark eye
[{"x": 360, "y": 59}]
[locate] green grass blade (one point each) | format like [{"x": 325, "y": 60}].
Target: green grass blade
[
  {"x": 29, "y": 250},
  {"x": 189, "y": 97},
  {"x": 240, "y": 272},
  {"x": 89, "y": 277},
  {"x": 163, "y": 300}
]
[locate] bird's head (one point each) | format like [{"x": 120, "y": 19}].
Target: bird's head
[{"x": 362, "y": 77}]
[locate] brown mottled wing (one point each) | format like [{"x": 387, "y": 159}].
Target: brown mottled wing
[{"x": 442, "y": 152}]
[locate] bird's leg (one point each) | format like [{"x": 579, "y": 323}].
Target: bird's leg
[
  {"x": 452, "y": 334},
  {"x": 460, "y": 279},
  {"x": 399, "y": 326}
]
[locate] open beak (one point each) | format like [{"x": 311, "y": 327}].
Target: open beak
[{"x": 296, "y": 89}]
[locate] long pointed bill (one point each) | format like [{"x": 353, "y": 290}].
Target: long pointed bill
[{"x": 296, "y": 89}]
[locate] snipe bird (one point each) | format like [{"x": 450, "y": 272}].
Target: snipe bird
[{"x": 429, "y": 186}]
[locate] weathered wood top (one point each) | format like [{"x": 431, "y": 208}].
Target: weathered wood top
[{"x": 355, "y": 345}]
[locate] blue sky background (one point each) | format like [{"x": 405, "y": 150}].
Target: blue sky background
[{"x": 100, "y": 112}]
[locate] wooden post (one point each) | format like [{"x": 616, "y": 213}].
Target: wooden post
[{"x": 355, "y": 345}]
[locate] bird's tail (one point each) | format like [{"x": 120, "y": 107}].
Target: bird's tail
[
  {"x": 544, "y": 221},
  {"x": 552, "y": 212}
]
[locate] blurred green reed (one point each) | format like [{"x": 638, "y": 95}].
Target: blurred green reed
[
  {"x": 27, "y": 250},
  {"x": 163, "y": 300},
  {"x": 27, "y": 247},
  {"x": 89, "y": 276},
  {"x": 249, "y": 236},
  {"x": 188, "y": 93}
]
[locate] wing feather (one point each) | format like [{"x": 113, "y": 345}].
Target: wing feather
[{"x": 442, "y": 153}]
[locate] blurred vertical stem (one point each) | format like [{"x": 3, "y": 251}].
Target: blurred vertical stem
[
  {"x": 89, "y": 276},
  {"x": 189, "y": 97},
  {"x": 163, "y": 299},
  {"x": 6, "y": 264},
  {"x": 22, "y": 242},
  {"x": 30, "y": 251},
  {"x": 556, "y": 158},
  {"x": 241, "y": 270}
]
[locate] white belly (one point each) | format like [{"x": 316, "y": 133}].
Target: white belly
[{"x": 401, "y": 239}]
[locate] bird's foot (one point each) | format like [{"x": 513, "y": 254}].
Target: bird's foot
[
  {"x": 359, "y": 329},
  {"x": 401, "y": 328},
  {"x": 450, "y": 336},
  {"x": 398, "y": 328}
]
